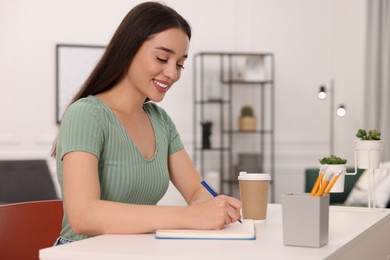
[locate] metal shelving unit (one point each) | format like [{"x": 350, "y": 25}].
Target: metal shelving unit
[{"x": 223, "y": 109}]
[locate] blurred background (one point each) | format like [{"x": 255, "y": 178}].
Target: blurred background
[{"x": 314, "y": 42}]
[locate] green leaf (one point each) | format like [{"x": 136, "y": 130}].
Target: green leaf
[{"x": 333, "y": 160}]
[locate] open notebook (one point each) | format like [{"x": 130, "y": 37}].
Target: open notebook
[{"x": 235, "y": 231}]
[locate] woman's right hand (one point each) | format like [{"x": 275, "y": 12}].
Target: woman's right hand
[{"x": 214, "y": 213}]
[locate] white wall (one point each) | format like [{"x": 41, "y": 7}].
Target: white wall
[{"x": 313, "y": 41}]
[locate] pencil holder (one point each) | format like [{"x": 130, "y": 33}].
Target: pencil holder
[{"x": 305, "y": 219}]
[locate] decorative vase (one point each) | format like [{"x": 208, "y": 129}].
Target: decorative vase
[
  {"x": 368, "y": 153},
  {"x": 247, "y": 123},
  {"x": 206, "y": 133}
]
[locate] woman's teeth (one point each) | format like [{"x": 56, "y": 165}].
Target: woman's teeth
[{"x": 161, "y": 84}]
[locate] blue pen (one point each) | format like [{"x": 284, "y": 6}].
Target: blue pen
[{"x": 212, "y": 192}]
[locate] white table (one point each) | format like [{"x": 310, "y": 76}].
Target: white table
[{"x": 354, "y": 233}]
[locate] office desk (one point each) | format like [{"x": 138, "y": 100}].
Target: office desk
[{"x": 354, "y": 233}]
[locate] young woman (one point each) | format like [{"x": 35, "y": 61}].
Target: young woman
[{"x": 116, "y": 150}]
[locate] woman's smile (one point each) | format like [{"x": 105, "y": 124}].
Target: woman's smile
[{"x": 161, "y": 86}]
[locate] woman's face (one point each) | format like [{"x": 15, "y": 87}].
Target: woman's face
[{"x": 158, "y": 63}]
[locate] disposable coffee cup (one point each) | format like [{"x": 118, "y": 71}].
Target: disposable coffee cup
[{"x": 254, "y": 194}]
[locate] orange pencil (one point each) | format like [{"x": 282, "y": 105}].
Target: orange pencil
[
  {"x": 324, "y": 184},
  {"x": 331, "y": 184},
  {"x": 316, "y": 184}
]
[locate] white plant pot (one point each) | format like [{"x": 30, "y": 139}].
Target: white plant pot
[
  {"x": 368, "y": 153},
  {"x": 338, "y": 187}
]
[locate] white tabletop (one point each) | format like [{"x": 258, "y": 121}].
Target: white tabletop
[{"x": 352, "y": 232}]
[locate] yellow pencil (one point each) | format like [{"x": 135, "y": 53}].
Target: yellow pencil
[
  {"x": 316, "y": 184},
  {"x": 324, "y": 184},
  {"x": 331, "y": 184}
]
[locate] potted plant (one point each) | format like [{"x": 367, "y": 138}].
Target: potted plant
[
  {"x": 337, "y": 166},
  {"x": 368, "y": 148},
  {"x": 333, "y": 159},
  {"x": 247, "y": 120}
]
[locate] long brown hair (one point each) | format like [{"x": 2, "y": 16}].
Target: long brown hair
[{"x": 141, "y": 22}]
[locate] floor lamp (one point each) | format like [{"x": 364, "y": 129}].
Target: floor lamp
[{"x": 340, "y": 111}]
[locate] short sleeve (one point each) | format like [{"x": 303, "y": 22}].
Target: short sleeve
[
  {"x": 168, "y": 128},
  {"x": 81, "y": 129},
  {"x": 176, "y": 144}
]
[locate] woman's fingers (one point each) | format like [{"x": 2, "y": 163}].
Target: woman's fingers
[
  {"x": 216, "y": 212},
  {"x": 231, "y": 207},
  {"x": 235, "y": 203},
  {"x": 228, "y": 220},
  {"x": 234, "y": 214}
]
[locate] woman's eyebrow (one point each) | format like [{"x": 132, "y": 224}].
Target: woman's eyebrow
[{"x": 170, "y": 51}]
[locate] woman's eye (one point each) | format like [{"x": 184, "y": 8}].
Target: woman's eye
[
  {"x": 161, "y": 60},
  {"x": 178, "y": 66}
]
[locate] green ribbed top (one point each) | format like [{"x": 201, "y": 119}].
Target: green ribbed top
[{"x": 125, "y": 175}]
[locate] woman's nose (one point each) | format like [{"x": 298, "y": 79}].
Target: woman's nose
[{"x": 171, "y": 72}]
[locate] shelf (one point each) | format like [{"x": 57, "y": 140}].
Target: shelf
[
  {"x": 248, "y": 132},
  {"x": 218, "y": 102},
  {"x": 229, "y": 69},
  {"x": 230, "y": 181},
  {"x": 247, "y": 82},
  {"x": 217, "y": 149}
]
